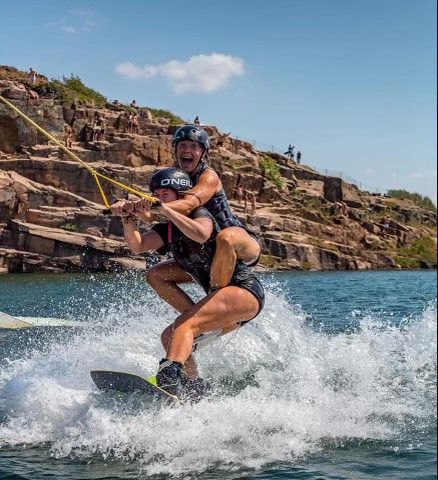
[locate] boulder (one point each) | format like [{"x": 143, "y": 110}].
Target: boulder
[{"x": 336, "y": 190}]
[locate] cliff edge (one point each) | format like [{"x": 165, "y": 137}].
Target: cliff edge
[{"x": 51, "y": 210}]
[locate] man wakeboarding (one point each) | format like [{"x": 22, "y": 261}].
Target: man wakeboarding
[
  {"x": 234, "y": 242},
  {"x": 193, "y": 241}
]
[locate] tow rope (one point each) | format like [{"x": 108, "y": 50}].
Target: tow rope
[{"x": 97, "y": 175}]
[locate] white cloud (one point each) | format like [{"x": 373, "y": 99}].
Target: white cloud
[
  {"x": 68, "y": 29},
  {"x": 200, "y": 73},
  {"x": 424, "y": 174},
  {"x": 369, "y": 171},
  {"x": 82, "y": 13},
  {"x": 76, "y": 21}
]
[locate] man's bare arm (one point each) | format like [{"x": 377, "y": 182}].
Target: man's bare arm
[
  {"x": 197, "y": 229},
  {"x": 209, "y": 184}
]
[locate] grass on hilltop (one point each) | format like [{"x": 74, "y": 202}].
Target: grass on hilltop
[
  {"x": 69, "y": 89},
  {"x": 271, "y": 171},
  {"x": 424, "y": 202}
]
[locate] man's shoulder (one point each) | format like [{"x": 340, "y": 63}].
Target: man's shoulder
[
  {"x": 209, "y": 172},
  {"x": 201, "y": 212}
]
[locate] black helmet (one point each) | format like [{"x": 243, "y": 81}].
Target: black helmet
[
  {"x": 193, "y": 133},
  {"x": 173, "y": 178}
]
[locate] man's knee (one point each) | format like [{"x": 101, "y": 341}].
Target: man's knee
[
  {"x": 226, "y": 238},
  {"x": 154, "y": 275},
  {"x": 166, "y": 336},
  {"x": 245, "y": 246}
]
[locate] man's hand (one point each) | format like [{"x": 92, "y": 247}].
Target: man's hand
[
  {"x": 142, "y": 210},
  {"x": 122, "y": 208}
]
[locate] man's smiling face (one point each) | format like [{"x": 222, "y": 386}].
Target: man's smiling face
[{"x": 188, "y": 155}]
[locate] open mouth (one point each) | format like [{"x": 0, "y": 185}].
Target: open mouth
[{"x": 186, "y": 162}]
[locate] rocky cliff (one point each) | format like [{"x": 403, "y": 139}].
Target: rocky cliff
[{"x": 50, "y": 205}]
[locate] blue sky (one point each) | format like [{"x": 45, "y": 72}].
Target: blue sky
[{"x": 351, "y": 83}]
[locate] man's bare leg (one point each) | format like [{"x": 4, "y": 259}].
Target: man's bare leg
[
  {"x": 232, "y": 244},
  {"x": 190, "y": 366},
  {"x": 223, "y": 309},
  {"x": 164, "y": 279}
]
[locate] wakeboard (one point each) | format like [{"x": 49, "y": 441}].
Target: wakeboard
[{"x": 108, "y": 380}]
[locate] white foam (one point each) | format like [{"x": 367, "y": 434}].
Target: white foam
[{"x": 312, "y": 388}]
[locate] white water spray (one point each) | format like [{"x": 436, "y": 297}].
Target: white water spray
[{"x": 295, "y": 390}]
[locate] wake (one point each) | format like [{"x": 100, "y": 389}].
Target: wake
[{"x": 283, "y": 390}]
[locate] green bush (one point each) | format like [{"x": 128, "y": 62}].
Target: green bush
[
  {"x": 69, "y": 227},
  {"x": 51, "y": 89},
  {"x": 423, "y": 249},
  {"x": 271, "y": 171},
  {"x": 174, "y": 119},
  {"x": 78, "y": 89},
  {"x": 424, "y": 202},
  {"x": 405, "y": 262},
  {"x": 69, "y": 89}
]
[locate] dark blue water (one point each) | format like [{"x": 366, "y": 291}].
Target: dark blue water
[{"x": 336, "y": 381}]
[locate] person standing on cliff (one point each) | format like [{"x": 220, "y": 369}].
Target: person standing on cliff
[
  {"x": 289, "y": 152},
  {"x": 33, "y": 75},
  {"x": 68, "y": 135},
  {"x": 253, "y": 203},
  {"x": 239, "y": 194},
  {"x": 298, "y": 157}
]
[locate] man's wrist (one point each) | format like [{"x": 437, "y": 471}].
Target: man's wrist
[{"x": 129, "y": 220}]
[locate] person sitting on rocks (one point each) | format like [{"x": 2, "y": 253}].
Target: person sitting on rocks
[
  {"x": 345, "y": 209},
  {"x": 221, "y": 138},
  {"x": 338, "y": 209}
]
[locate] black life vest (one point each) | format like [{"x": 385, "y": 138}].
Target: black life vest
[
  {"x": 191, "y": 256},
  {"x": 218, "y": 206}
]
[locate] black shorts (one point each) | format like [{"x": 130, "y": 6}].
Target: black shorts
[
  {"x": 244, "y": 278},
  {"x": 254, "y": 235}
]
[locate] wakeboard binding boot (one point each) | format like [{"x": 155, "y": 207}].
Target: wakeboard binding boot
[{"x": 171, "y": 376}]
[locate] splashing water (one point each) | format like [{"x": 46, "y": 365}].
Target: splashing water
[{"x": 294, "y": 391}]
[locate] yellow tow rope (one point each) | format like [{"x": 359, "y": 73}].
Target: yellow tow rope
[{"x": 93, "y": 172}]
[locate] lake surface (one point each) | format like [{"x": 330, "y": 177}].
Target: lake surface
[{"x": 336, "y": 379}]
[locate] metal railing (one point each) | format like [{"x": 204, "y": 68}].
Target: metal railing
[{"x": 267, "y": 147}]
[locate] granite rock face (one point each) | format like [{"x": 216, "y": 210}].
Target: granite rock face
[{"x": 51, "y": 210}]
